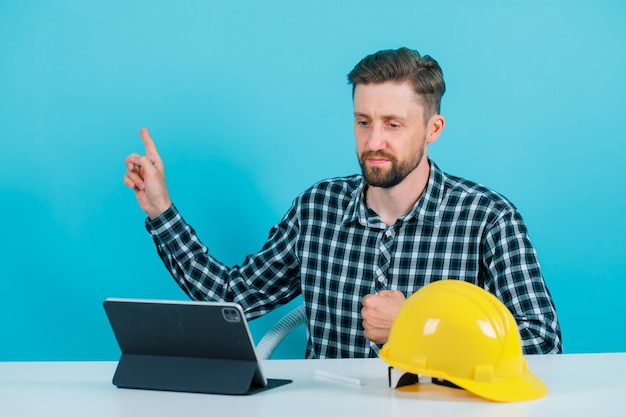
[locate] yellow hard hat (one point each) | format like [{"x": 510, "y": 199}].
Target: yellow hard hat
[{"x": 458, "y": 332}]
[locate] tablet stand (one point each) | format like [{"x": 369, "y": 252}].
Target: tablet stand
[{"x": 190, "y": 374}]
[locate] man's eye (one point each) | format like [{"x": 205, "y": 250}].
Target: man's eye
[
  {"x": 362, "y": 123},
  {"x": 394, "y": 125}
]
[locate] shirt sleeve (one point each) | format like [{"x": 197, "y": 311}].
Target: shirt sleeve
[
  {"x": 262, "y": 282},
  {"x": 514, "y": 275}
]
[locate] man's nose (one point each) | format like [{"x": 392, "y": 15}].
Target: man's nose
[{"x": 377, "y": 139}]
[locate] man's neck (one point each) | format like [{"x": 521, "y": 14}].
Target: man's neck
[{"x": 392, "y": 203}]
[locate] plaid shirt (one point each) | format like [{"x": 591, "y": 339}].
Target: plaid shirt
[{"x": 331, "y": 248}]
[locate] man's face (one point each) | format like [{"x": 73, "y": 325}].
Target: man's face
[{"x": 390, "y": 132}]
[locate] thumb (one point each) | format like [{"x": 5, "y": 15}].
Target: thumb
[{"x": 391, "y": 294}]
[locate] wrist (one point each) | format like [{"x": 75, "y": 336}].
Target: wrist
[{"x": 156, "y": 210}]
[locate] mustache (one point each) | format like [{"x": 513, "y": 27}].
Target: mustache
[{"x": 377, "y": 154}]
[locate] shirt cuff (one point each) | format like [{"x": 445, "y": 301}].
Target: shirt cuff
[{"x": 166, "y": 226}]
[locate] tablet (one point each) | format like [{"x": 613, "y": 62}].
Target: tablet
[{"x": 186, "y": 346}]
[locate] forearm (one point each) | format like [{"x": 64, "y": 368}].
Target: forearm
[
  {"x": 540, "y": 335},
  {"x": 198, "y": 274},
  {"x": 523, "y": 291},
  {"x": 514, "y": 276},
  {"x": 262, "y": 282}
]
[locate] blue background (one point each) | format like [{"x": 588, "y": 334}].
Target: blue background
[{"x": 249, "y": 105}]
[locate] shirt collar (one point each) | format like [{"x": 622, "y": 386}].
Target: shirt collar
[
  {"x": 357, "y": 208},
  {"x": 425, "y": 208}
]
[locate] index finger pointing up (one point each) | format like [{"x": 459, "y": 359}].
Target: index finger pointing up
[{"x": 151, "y": 150}]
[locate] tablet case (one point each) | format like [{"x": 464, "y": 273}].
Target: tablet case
[{"x": 186, "y": 346}]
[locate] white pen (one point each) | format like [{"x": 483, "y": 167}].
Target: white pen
[{"x": 336, "y": 377}]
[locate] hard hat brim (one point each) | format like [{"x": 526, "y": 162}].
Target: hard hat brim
[{"x": 524, "y": 387}]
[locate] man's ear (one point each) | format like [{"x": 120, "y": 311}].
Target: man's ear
[{"x": 434, "y": 127}]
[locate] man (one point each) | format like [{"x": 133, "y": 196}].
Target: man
[{"x": 356, "y": 247}]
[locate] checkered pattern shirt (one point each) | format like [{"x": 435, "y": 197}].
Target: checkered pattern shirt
[{"x": 331, "y": 248}]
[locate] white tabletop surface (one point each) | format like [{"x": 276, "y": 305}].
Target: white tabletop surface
[{"x": 579, "y": 384}]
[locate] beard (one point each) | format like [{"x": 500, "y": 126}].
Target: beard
[{"x": 399, "y": 170}]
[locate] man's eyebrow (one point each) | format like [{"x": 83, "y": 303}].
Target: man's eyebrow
[
  {"x": 386, "y": 117},
  {"x": 395, "y": 117}
]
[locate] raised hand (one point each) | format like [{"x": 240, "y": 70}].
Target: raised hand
[{"x": 145, "y": 174}]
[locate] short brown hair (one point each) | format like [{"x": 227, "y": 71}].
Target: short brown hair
[{"x": 423, "y": 72}]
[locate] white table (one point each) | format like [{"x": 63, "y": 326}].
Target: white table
[{"x": 580, "y": 385}]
